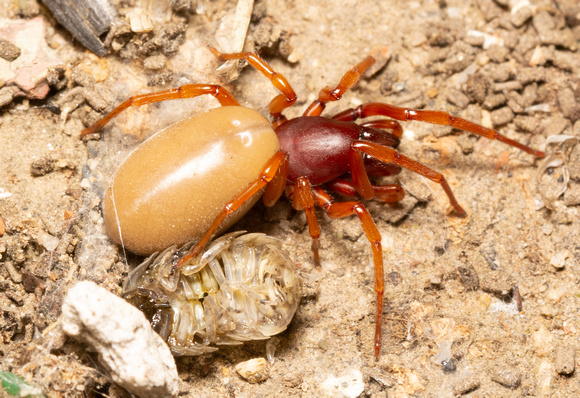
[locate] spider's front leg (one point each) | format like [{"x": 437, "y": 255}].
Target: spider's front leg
[
  {"x": 280, "y": 102},
  {"x": 433, "y": 117},
  {"x": 185, "y": 91}
]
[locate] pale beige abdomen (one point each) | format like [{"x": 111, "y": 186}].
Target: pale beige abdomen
[{"x": 171, "y": 188}]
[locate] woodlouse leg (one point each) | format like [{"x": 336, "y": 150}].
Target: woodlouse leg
[
  {"x": 345, "y": 209},
  {"x": 186, "y": 91},
  {"x": 390, "y": 155},
  {"x": 302, "y": 199},
  {"x": 328, "y": 94},
  {"x": 266, "y": 175},
  {"x": 280, "y": 102},
  {"x": 433, "y": 117},
  {"x": 390, "y": 193}
]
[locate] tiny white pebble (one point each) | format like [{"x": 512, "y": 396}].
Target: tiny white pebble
[
  {"x": 254, "y": 371},
  {"x": 558, "y": 261}
]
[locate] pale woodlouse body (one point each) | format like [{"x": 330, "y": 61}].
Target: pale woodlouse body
[{"x": 240, "y": 288}]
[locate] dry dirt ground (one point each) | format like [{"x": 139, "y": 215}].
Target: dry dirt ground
[{"x": 455, "y": 323}]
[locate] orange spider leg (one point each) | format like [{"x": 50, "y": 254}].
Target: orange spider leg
[
  {"x": 360, "y": 178},
  {"x": 186, "y": 91},
  {"x": 386, "y": 124},
  {"x": 280, "y": 102},
  {"x": 276, "y": 187},
  {"x": 390, "y": 155},
  {"x": 433, "y": 117},
  {"x": 390, "y": 193},
  {"x": 302, "y": 199},
  {"x": 267, "y": 174},
  {"x": 345, "y": 209},
  {"x": 328, "y": 94}
]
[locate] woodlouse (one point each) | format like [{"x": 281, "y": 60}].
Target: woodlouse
[{"x": 241, "y": 288}]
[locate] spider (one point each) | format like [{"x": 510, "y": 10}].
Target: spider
[{"x": 312, "y": 156}]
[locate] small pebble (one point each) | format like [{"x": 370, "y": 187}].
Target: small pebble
[
  {"x": 466, "y": 144},
  {"x": 486, "y": 119},
  {"x": 507, "y": 377},
  {"x": 432, "y": 92},
  {"x": 543, "y": 341},
  {"x": 381, "y": 55},
  {"x": 133, "y": 354},
  {"x": 501, "y": 72},
  {"x": 456, "y": 97},
  {"x": 465, "y": 385},
  {"x": 416, "y": 38},
  {"x": 482, "y": 59},
  {"x": 14, "y": 274},
  {"x": 507, "y": 86},
  {"x": 547, "y": 310},
  {"x": 98, "y": 97},
  {"x": 155, "y": 62},
  {"x": 493, "y": 101},
  {"x": 81, "y": 77},
  {"x": 436, "y": 280},
  {"x": 449, "y": 365},
  {"x": 497, "y": 53},
  {"x": 547, "y": 229},
  {"x": 572, "y": 195},
  {"x": 468, "y": 276},
  {"x": 6, "y": 96},
  {"x": 544, "y": 379},
  {"x": 530, "y": 94},
  {"x": 140, "y": 20},
  {"x": 556, "y": 125},
  {"x": 521, "y": 16},
  {"x": 558, "y": 261},
  {"x": 529, "y": 75},
  {"x": 254, "y": 371},
  {"x": 476, "y": 87},
  {"x": 8, "y": 51},
  {"x": 497, "y": 282},
  {"x": 565, "y": 359},
  {"x": 540, "y": 56},
  {"x": 474, "y": 40},
  {"x": 543, "y": 22},
  {"x": 502, "y": 116},
  {"x": 567, "y": 101},
  {"x": 515, "y": 106},
  {"x": 42, "y": 167}
]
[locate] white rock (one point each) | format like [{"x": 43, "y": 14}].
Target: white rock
[
  {"x": 137, "y": 358},
  {"x": 140, "y": 20},
  {"x": 558, "y": 261},
  {"x": 348, "y": 385},
  {"x": 254, "y": 371}
]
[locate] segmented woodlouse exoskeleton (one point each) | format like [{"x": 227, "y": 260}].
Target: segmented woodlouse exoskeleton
[{"x": 242, "y": 287}]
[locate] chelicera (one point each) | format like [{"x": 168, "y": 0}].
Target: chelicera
[{"x": 309, "y": 156}]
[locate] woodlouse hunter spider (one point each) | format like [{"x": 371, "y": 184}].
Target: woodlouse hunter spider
[{"x": 195, "y": 178}]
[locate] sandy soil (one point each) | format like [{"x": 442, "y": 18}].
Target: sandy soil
[{"x": 453, "y": 321}]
